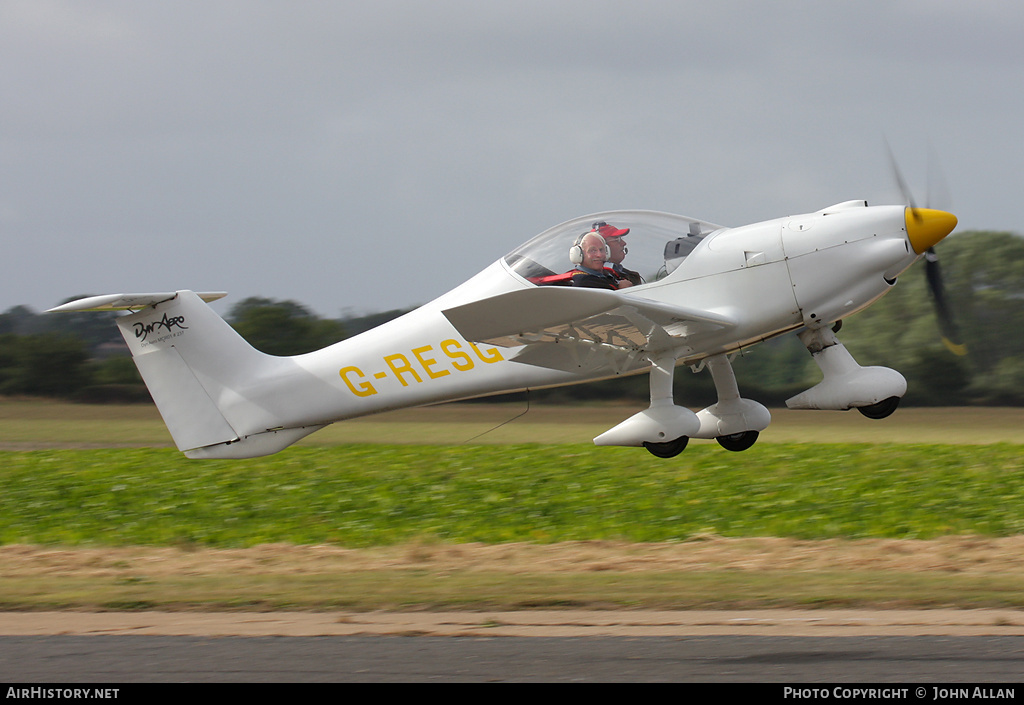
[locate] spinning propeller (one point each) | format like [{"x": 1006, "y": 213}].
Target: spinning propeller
[{"x": 925, "y": 227}]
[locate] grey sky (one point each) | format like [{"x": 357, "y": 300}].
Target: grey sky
[{"x": 361, "y": 156}]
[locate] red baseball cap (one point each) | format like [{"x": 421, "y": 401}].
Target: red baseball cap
[{"x": 609, "y": 231}]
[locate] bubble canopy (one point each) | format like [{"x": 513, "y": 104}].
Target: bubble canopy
[{"x": 656, "y": 244}]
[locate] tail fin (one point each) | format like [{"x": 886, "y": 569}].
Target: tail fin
[{"x": 201, "y": 374}]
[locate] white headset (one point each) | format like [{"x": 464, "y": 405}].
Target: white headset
[{"x": 576, "y": 251}]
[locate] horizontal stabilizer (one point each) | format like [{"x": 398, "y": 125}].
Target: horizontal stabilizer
[{"x": 121, "y": 302}]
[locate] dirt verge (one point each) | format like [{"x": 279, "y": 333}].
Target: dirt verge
[
  {"x": 529, "y": 623},
  {"x": 953, "y": 554}
]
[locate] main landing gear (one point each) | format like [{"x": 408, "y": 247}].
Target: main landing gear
[
  {"x": 733, "y": 421},
  {"x": 665, "y": 429}
]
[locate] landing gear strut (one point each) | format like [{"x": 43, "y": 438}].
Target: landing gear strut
[
  {"x": 733, "y": 421},
  {"x": 874, "y": 391},
  {"x": 664, "y": 429}
]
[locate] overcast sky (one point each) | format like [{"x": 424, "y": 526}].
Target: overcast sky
[{"x": 359, "y": 156}]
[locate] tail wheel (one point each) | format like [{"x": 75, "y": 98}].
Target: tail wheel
[
  {"x": 738, "y": 441},
  {"x": 668, "y": 449},
  {"x": 881, "y": 409}
]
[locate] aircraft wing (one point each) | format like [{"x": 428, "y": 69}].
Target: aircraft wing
[
  {"x": 558, "y": 324},
  {"x": 120, "y": 302}
]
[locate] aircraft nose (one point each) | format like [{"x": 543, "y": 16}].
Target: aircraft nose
[{"x": 926, "y": 226}]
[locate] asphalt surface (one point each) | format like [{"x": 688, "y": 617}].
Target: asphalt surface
[
  {"x": 368, "y": 659},
  {"x": 920, "y": 648}
]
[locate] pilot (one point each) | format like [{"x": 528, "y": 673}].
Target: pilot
[
  {"x": 616, "y": 253},
  {"x": 589, "y": 255}
]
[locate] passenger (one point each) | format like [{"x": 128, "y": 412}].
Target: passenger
[
  {"x": 589, "y": 255},
  {"x": 616, "y": 253}
]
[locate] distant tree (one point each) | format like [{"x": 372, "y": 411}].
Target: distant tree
[
  {"x": 115, "y": 370},
  {"x": 9, "y": 360},
  {"x": 1003, "y": 386},
  {"x": 983, "y": 274},
  {"x": 42, "y": 365},
  {"x": 355, "y": 325},
  {"x": 20, "y": 320},
  {"x": 936, "y": 378},
  {"x": 780, "y": 362},
  {"x": 244, "y": 307},
  {"x": 113, "y": 380},
  {"x": 94, "y": 328},
  {"x": 282, "y": 327}
]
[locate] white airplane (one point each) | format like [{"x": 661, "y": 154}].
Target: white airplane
[{"x": 700, "y": 293}]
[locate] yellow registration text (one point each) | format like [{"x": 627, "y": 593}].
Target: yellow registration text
[{"x": 422, "y": 364}]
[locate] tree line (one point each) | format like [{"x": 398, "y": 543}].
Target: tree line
[{"x": 81, "y": 356}]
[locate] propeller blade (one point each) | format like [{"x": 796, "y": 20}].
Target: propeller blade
[
  {"x": 925, "y": 236},
  {"x": 938, "y": 195},
  {"x": 908, "y": 197},
  {"x": 947, "y": 326}
]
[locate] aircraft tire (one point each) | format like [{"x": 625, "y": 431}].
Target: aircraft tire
[
  {"x": 668, "y": 449},
  {"x": 881, "y": 409},
  {"x": 738, "y": 441}
]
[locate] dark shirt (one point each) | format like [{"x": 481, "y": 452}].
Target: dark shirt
[
  {"x": 620, "y": 272},
  {"x": 594, "y": 280}
]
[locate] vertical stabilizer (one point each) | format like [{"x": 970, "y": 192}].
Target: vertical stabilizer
[
  {"x": 219, "y": 396},
  {"x": 193, "y": 362},
  {"x": 204, "y": 377}
]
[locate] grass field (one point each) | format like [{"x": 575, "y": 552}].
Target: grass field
[
  {"x": 93, "y": 501},
  {"x": 370, "y": 495}
]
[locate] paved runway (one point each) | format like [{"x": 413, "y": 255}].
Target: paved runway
[
  {"x": 772, "y": 646},
  {"x": 734, "y": 659}
]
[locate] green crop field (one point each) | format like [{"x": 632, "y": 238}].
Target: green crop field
[
  {"x": 394, "y": 486},
  {"x": 368, "y": 494},
  {"x": 77, "y": 477}
]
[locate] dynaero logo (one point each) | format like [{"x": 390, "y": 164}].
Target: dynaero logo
[{"x": 142, "y": 330}]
